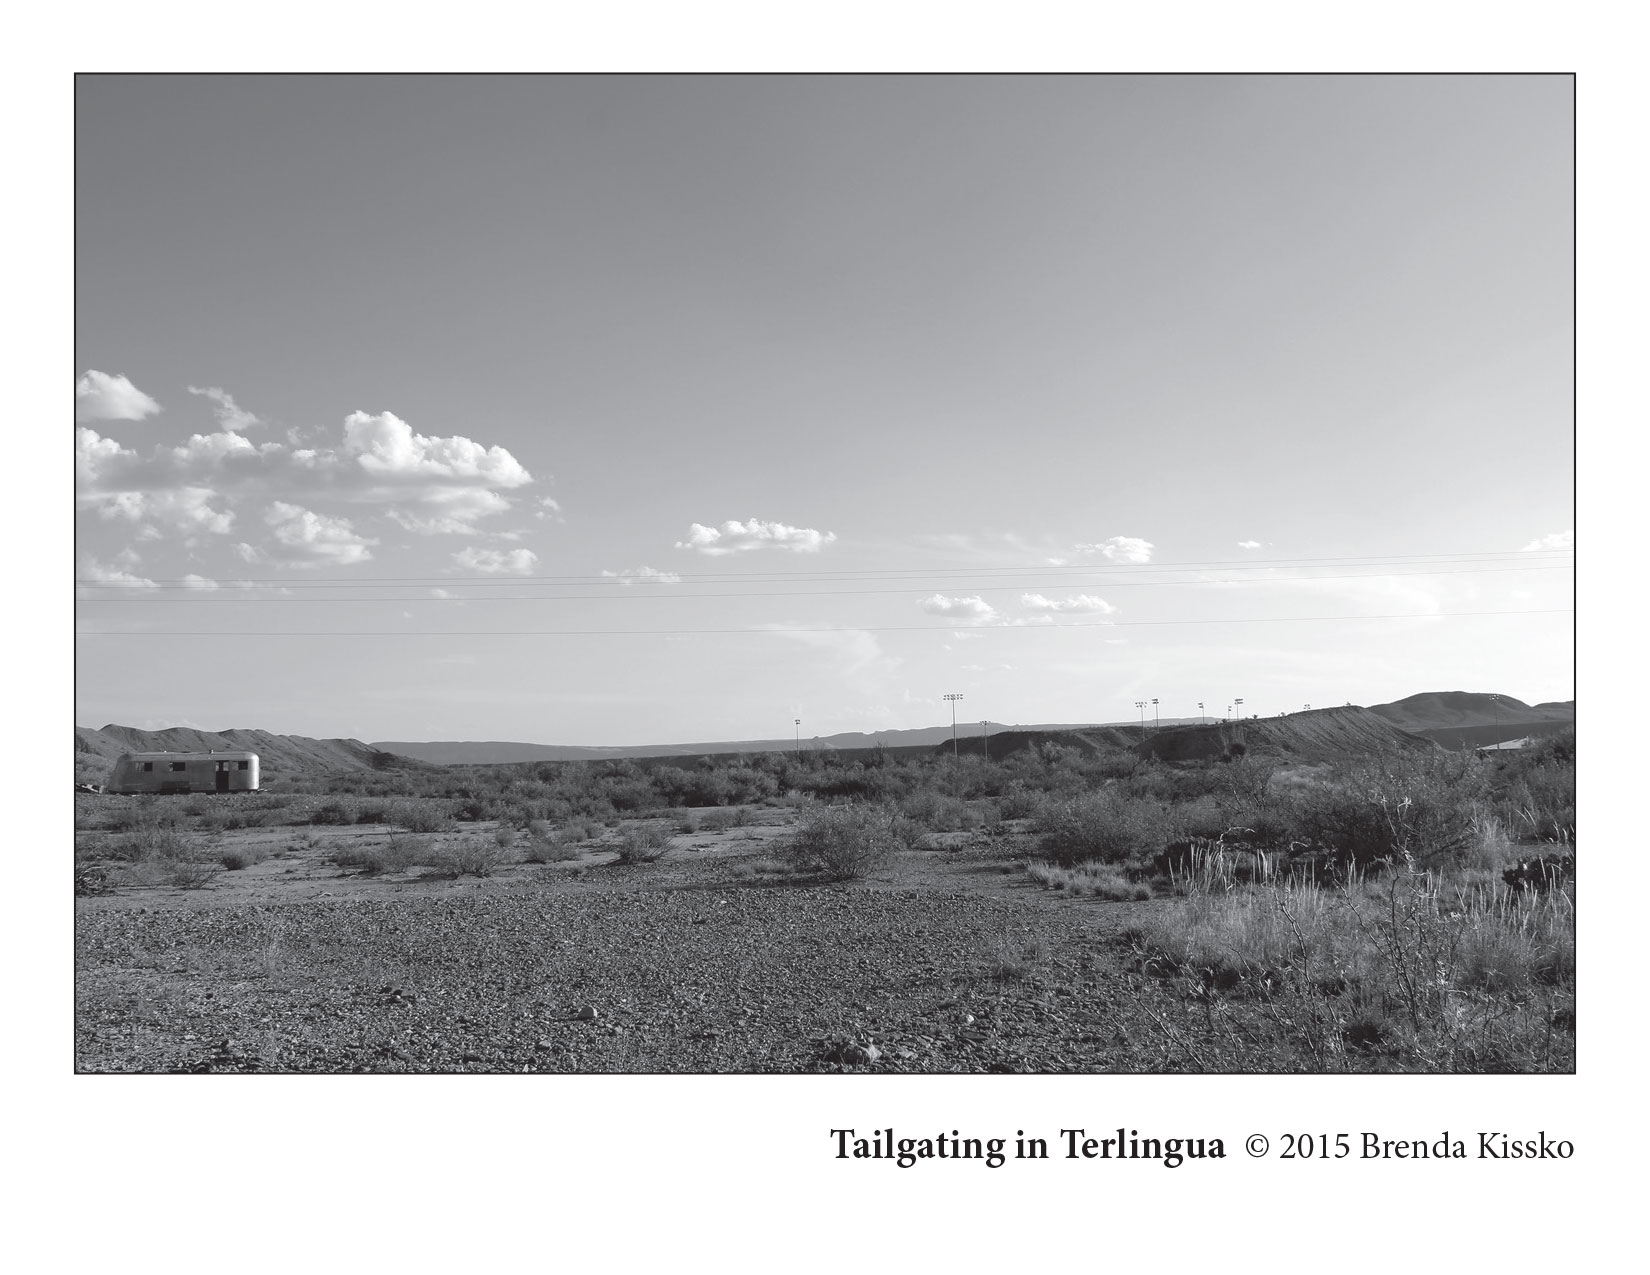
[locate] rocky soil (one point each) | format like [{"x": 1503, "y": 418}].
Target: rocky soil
[{"x": 948, "y": 962}]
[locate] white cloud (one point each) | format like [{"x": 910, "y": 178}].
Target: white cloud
[
  {"x": 185, "y": 509},
  {"x": 452, "y": 512},
  {"x": 193, "y": 581},
  {"x": 101, "y": 397},
  {"x": 975, "y": 610},
  {"x": 386, "y": 447},
  {"x": 633, "y": 575},
  {"x": 1558, "y": 540},
  {"x": 497, "y": 561},
  {"x": 100, "y": 573},
  {"x": 1248, "y": 544},
  {"x": 549, "y": 508},
  {"x": 740, "y": 537},
  {"x": 231, "y": 416},
  {"x": 431, "y": 486},
  {"x": 1084, "y": 603},
  {"x": 312, "y": 539},
  {"x": 1119, "y": 549}
]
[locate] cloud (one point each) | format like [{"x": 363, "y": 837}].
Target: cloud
[
  {"x": 633, "y": 575},
  {"x": 741, "y": 537},
  {"x": 497, "y": 561},
  {"x": 1083, "y": 603},
  {"x": 193, "y": 581},
  {"x": 1558, "y": 540},
  {"x": 1119, "y": 549},
  {"x": 1248, "y": 544},
  {"x": 231, "y": 416},
  {"x": 96, "y": 572},
  {"x": 975, "y": 610},
  {"x": 386, "y": 447},
  {"x": 430, "y": 486},
  {"x": 185, "y": 509},
  {"x": 101, "y": 397},
  {"x": 310, "y": 539}
]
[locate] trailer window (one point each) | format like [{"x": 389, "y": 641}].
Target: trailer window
[
  {"x": 148, "y": 765},
  {"x": 240, "y": 765},
  {"x": 177, "y": 765}
]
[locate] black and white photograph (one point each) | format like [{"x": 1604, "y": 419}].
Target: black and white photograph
[
  {"x": 743, "y": 574},
  {"x": 922, "y": 637}
]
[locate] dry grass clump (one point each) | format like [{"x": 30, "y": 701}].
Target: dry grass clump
[
  {"x": 1089, "y": 880},
  {"x": 1408, "y": 967}
]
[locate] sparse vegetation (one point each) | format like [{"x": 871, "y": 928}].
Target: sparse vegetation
[{"x": 843, "y": 843}]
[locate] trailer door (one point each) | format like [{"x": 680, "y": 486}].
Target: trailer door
[{"x": 222, "y": 776}]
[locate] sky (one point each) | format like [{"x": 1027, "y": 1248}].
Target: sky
[{"x": 622, "y": 409}]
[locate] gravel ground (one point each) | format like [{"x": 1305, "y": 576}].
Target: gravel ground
[{"x": 706, "y": 977}]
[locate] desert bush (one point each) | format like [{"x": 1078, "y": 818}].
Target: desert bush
[
  {"x": 1016, "y": 957},
  {"x": 643, "y": 843},
  {"x": 1101, "y": 827},
  {"x": 470, "y": 856},
  {"x": 548, "y": 848},
  {"x": 396, "y": 854},
  {"x": 844, "y": 843},
  {"x": 724, "y": 819},
  {"x": 421, "y": 816},
  {"x": 233, "y": 860},
  {"x": 191, "y": 873}
]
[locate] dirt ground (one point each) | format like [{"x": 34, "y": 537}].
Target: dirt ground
[{"x": 711, "y": 958}]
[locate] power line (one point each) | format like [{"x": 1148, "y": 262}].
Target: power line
[{"x": 842, "y": 628}]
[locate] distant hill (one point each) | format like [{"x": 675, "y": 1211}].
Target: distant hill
[
  {"x": 278, "y": 755},
  {"x": 1471, "y": 719},
  {"x": 1319, "y": 734},
  {"x": 502, "y": 752}
]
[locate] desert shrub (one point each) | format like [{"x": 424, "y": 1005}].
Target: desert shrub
[
  {"x": 724, "y": 819},
  {"x": 585, "y": 829},
  {"x": 421, "y": 816},
  {"x": 1098, "y": 826},
  {"x": 845, "y": 842},
  {"x": 1371, "y": 816},
  {"x": 397, "y": 854},
  {"x": 191, "y": 873},
  {"x": 332, "y": 813},
  {"x": 504, "y": 836},
  {"x": 1016, "y": 957},
  {"x": 643, "y": 843},
  {"x": 934, "y": 811},
  {"x": 548, "y": 848},
  {"x": 148, "y": 841},
  {"x": 233, "y": 860},
  {"x": 470, "y": 856}
]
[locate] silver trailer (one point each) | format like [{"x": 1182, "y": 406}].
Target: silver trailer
[{"x": 225, "y": 771}]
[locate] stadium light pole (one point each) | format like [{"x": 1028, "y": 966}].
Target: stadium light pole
[
  {"x": 953, "y": 699},
  {"x": 1141, "y": 705},
  {"x": 799, "y": 734},
  {"x": 1200, "y": 713},
  {"x": 985, "y": 739},
  {"x": 1157, "y": 720},
  {"x": 1238, "y": 704}
]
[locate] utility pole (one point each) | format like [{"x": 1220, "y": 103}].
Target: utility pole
[
  {"x": 985, "y": 741},
  {"x": 953, "y": 699}
]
